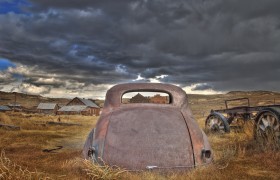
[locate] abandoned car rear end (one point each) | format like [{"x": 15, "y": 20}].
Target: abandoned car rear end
[{"x": 146, "y": 135}]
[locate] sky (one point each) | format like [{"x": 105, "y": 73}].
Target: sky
[{"x": 68, "y": 48}]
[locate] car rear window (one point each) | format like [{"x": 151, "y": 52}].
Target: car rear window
[{"x": 146, "y": 97}]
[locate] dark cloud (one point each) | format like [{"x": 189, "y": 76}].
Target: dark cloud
[{"x": 221, "y": 45}]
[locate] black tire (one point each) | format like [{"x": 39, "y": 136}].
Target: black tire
[
  {"x": 267, "y": 125},
  {"x": 217, "y": 123}
]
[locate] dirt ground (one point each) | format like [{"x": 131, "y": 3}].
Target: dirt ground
[{"x": 24, "y": 153}]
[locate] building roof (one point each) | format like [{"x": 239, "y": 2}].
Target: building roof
[
  {"x": 75, "y": 108},
  {"x": 47, "y": 106},
  {"x": 88, "y": 103},
  {"x": 139, "y": 98},
  {"x": 5, "y": 108},
  {"x": 14, "y": 104}
]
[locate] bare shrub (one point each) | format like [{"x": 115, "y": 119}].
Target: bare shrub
[{"x": 10, "y": 170}]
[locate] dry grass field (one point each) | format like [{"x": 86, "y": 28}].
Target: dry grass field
[{"x": 23, "y": 153}]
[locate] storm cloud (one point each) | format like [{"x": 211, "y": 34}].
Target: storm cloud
[{"x": 79, "y": 45}]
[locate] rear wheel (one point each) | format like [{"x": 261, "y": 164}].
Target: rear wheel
[
  {"x": 268, "y": 125},
  {"x": 217, "y": 123}
]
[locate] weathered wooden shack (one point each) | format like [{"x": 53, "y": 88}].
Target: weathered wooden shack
[
  {"x": 93, "y": 108},
  {"x": 75, "y": 109},
  {"x": 139, "y": 98},
  {"x": 158, "y": 99},
  {"x": 15, "y": 106},
  {"x": 4, "y": 108},
  {"x": 47, "y": 108}
]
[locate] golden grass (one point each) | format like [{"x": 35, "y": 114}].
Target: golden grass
[
  {"x": 104, "y": 172},
  {"x": 4, "y": 118},
  {"x": 10, "y": 170},
  {"x": 237, "y": 155}
]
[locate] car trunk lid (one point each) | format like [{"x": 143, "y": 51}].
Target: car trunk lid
[{"x": 148, "y": 137}]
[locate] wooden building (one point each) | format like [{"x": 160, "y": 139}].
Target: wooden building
[
  {"x": 47, "y": 108},
  {"x": 15, "y": 106},
  {"x": 75, "y": 109},
  {"x": 4, "y": 108},
  {"x": 139, "y": 98},
  {"x": 91, "y": 108},
  {"x": 158, "y": 99}
]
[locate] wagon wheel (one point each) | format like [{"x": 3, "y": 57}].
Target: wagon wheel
[
  {"x": 268, "y": 125},
  {"x": 217, "y": 123}
]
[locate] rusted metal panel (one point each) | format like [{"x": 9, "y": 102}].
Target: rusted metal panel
[
  {"x": 151, "y": 138},
  {"x": 148, "y": 136}
]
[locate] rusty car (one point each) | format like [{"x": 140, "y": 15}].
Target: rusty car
[{"x": 139, "y": 136}]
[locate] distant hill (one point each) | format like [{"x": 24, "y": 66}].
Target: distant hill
[
  {"x": 260, "y": 92},
  {"x": 256, "y": 98},
  {"x": 31, "y": 101},
  {"x": 27, "y": 100}
]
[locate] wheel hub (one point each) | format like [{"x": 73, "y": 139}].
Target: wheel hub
[
  {"x": 215, "y": 128},
  {"x": 268, "y": 127}
]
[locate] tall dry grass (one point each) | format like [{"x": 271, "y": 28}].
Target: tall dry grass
[
  {"x": 237, "y": 155},
  {"x": 4, "y": 118},
  {"x": 104, "y": 172},
  {"x": 10, "y": 170}
]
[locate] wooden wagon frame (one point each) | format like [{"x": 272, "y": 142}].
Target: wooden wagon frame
[{"x": 266, "y": 118}]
